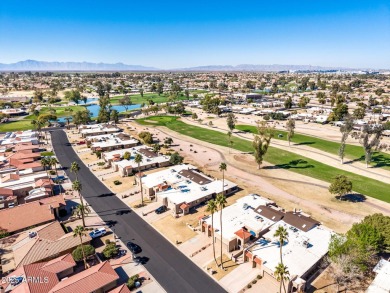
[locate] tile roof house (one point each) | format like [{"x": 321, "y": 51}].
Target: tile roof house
[
  {"x": 99, "y": 278},
  {"x": 34, "y": 213},
  {"x": 121, "y": 289},
  {"x": 37, "y": 245}
]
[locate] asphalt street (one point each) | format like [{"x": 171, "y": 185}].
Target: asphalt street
[{"x": 172, "y": 269}]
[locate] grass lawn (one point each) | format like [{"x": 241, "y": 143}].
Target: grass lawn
[
  {"x": 137, "y": 99},
  {"x": 16, "y": 125},
  {"x": 353, "y": 152},
  {"x": 280, "y": 158},
  {"x": 60, "y": 111}
]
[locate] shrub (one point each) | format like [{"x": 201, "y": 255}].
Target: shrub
[
  {"x": 3, "y": 234},
  {"x": 78, "y": 253},
  {"x": 249, "y": 286},
  {"x": 131, "y": 281},
  {"x": 107, "y": 241},
  {"x": 254, "y": 282},
  {"x": 99, "y": 154},
  {"x": 101, "y": 163},
  {"x": 117, "y": 182},
  {"x": 176, "y": 159},
  {"x": 52, "y": 172},
  {"x": 146, "y": 137},
  {"x": 110, "y": 250},
  {"x": 259, "y": 277},
  {"x": 47, "y": 154},
  {"x": 62, "y": 213}
]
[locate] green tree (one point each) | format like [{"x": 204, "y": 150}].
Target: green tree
[
  {"x": 359, "y": 113},
  {"x": 138, "y": 160},
  {"x": 345, "y": 130},
  {"x": 194, "y": 116},
  {"x": 146, "y": 137},
  {"x": 110, "y": 250},
  {"x": 156, "y": 148},
  {"x": 290, "y": 127},
  {"x": 80, "y": 232},
  {"x": 260, "y": 145},
  {"x": 212, "y": 207},
  {"x": 126, "y": 156},
  {"x": 125, "y": 102},
  {"x": 114, "y": 116},
  {"x": 340, "y": 186},
  {"x": 176, "y": 159},
  {"x": 104, "y": 111},
  {"x": 81, "y": 210},
  {"x": 81, "y": 117},
  {"x": 231, "y": 121},
  {"x": 288, "y": 103},
  {"x": 78, "y": 252}
]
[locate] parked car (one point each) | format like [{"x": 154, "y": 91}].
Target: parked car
[
  {"x": 98, "y": 233},
  {"x": 59, "y": 178},
  {"x": 160, "y": 210},
  {"x": 134, "y": 248}
]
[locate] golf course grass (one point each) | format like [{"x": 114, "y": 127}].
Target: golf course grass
[
  {"x": 352, "y": 152},
  {"x": 138, "y": 99},
  {"x": 279, "y": 158}
]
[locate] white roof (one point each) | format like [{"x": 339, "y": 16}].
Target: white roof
[
  {"x": 381, "y": 283},
  {"x": 99, "y": 128},
  {"x": 24, "y": 181},
  {"x": 298, "y": 257},
  {"x": 183, "y": 189},
  {"x": 241, "y": 214}
]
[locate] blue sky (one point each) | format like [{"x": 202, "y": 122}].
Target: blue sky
[{"x": 170, "y": 34}]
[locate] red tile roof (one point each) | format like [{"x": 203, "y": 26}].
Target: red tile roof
[
  {"x": 120, "y": 289},
  {"x": 87, "y": 281},
  {"x": 29, "y": 214},
  {"x": 6, "y": 191},
  {"x": 242, "y": 233},
  {"x": 59, "y": 264}
]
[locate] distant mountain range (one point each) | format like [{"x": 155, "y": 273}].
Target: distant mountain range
[{"x": 33, "y": 65}]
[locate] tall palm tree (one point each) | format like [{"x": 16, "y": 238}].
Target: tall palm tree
[
  {"x": 76, "y": 185},
  {"x": 212, "y": 207},
  {"x": 282, "y": 234},
  {"x": 53, "y": 162},
  {"x": 221, "y": 202},
  {"x": 45, "y": 164},
  {"x": 38, "y": 126},
  {"x": 281, "y": 273},
  {"x": 75, "y": 168},
  {"x": 223, "y": 168},
  {"x": 138, "y": 159},
  {"x": 79, "y": 231},
  {"x": 229, "y": 134}
]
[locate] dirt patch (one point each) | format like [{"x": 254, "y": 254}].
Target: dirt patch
[
  {"x": 174, "y": 229},
  {"x": 218, "y": 272}
]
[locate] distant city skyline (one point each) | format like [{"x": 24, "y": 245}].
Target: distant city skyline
[{"x": 173, "y": 34}]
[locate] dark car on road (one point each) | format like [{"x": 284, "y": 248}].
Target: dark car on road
[
  {"x": 160, "y": 210},
  {"x": 134, "y": 248}
]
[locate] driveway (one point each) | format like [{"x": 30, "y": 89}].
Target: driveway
[{"x": 172, "y": 269}]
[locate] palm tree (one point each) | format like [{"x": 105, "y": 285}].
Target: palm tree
[
  {"x": 38, "y": 126},
  {"x": 67, "y": 121},
  {"x": 223, "y": 168},
  {"x": 76, "y": 185},
  {"x": 80, "y": 232},
  {"x": 229, "y": 134},
  {"x": 282, "y": 234},
  {"x": 75, "y": 168},
  {"x": 53, "y": 162},
  {"x": 81, "y": 210},
  {"x": 212, "y": 208},
  {"x": 45, "y": 162},
  {"x": 281, "y": 273},
  {"x": 221, "y": 202},
  {"x": 138, "y": 159}
]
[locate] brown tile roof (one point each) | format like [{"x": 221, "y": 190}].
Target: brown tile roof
[
  {"x": 49, "y": 242},
  {"x": 25, "y": 154},
  {"x": 44, "y": 272},
  {"x": 43, "y": 182},
  {"x": 147, "y": 153},
  {"x": 270, "y": 213},
  {"x": 300, "y": 221},
  {"x": 121, "y": 289},
  {"x": 29, "y": 214},
  {"x": 242, "y": 233},
  {"x": 195, "y": 176},
  {"x": 25, "y": 146},
  {"x": 59, "y": 264},
  {"x": 87, "y": 281}
]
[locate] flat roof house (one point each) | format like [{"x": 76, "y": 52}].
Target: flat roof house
[
  {"x": 242, "y": 221},
  {"x": 182, "y": 187},
  {"x": 109, "y": 142},
  {"x": 126, "y": 167},
  {"x": 308, "y": 243},
  {"x": 98, "y": 129}
]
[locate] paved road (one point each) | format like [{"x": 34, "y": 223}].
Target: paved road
[{"x": 172, "y": 269}]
